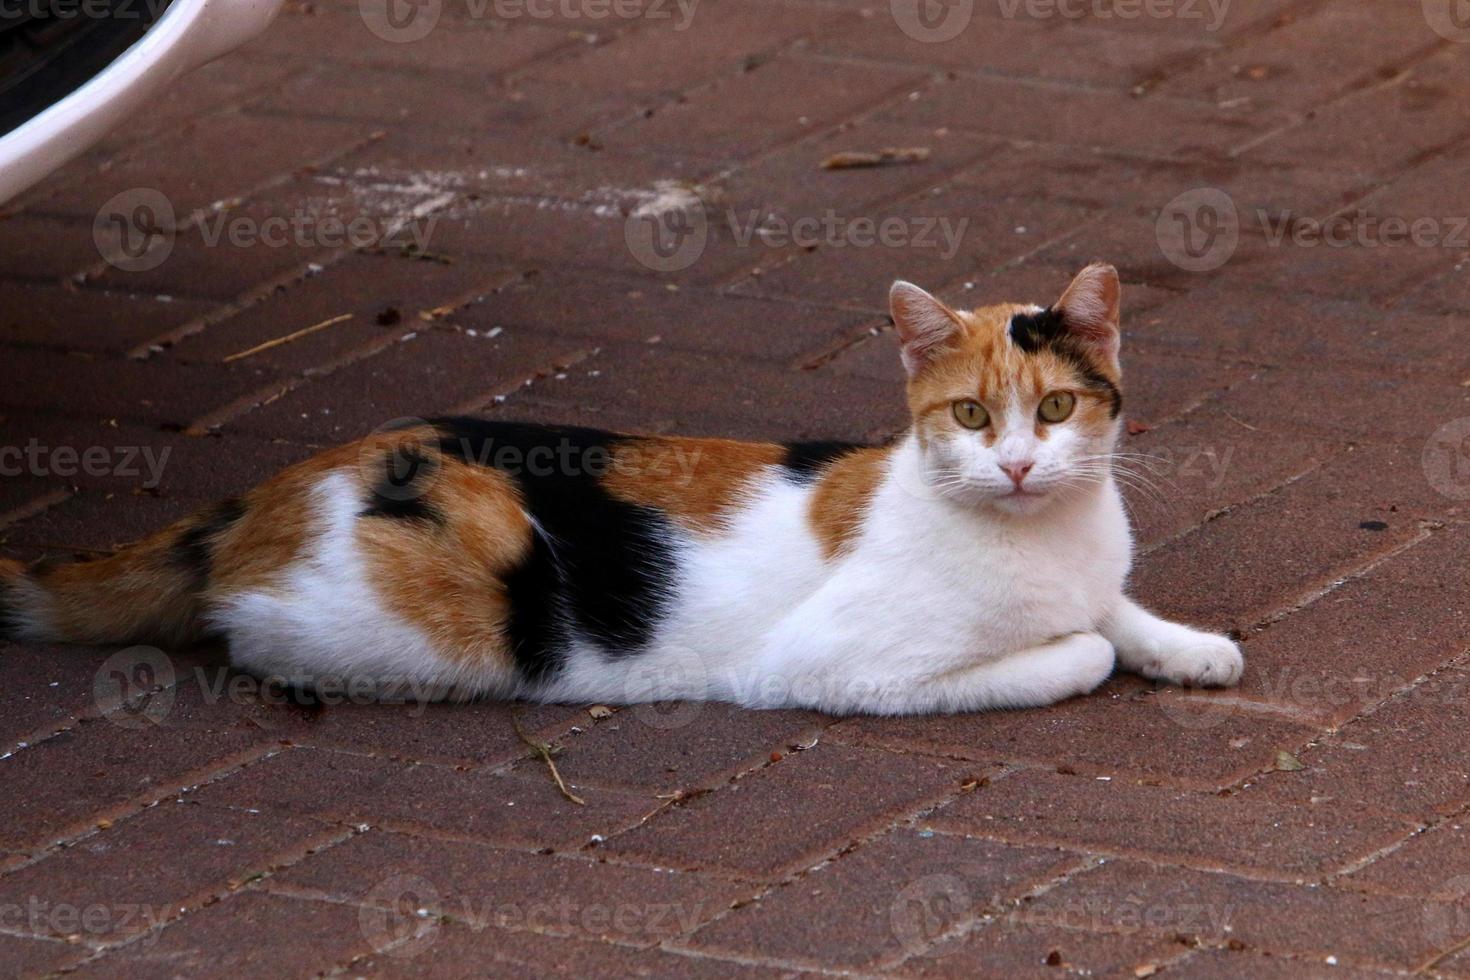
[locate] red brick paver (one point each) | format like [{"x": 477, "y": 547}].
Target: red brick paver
[{"x": 364, "y": 229}]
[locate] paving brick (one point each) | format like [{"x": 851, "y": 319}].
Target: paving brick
[
  {"x": 669, "y": 55},
  {"x": 1411, "y": 115},
  {"x": 1007, "y": 46},
  {"x": 877, "y": 899},
  {"x": 1178, "y": 128},
  {"x": 1191, "y": 468},
  {"x": 489, "y": 888},
  {"x": 29, "y": 958},
  {"x": 688, "y": 747},
  {"x": 151, "y": 748},
  {"x": 730, "y": 118},
  {"x": 45, "y": 315},
  {"x": 1231, "y": 574},
  {"x": 1129, "y": 733},
  {"x": 382, "y": 295},
  {"x": 1224, "y": 964},
  {"x": 1357, "y": 929},
  {"x": 519, "y": 811},
  {"x": 310, "y": 35},
  {"x": 1359, "y": 644},
  {"x": 1434, "y": 864},
  {"x": 1178, "y": 20},
  {"x": 937, "y": 237},
  {"x": 1014, "y": 948},
  {"x": 40, "y": 248},
  {"x": 598, "y": 308},
  {"x": 745, "y": 827},
  {"x": 47, "y": 688},
  {"x": 1266, "y": 70},
  {"x": 248, "y": 931},
  {"x": 464, "y": 735},
  {"x": 1407, "y": 757},
  {"x": 461, "y": 952},
  {"x": 717, "y": 395},
  {"x": 244, "y": 152},
  {"x": 447, "y": 101},
  {"x": 148, "y": 869},
  {"x": 1121, "y": 816},
  {"x": 1101, "y": 179},
  {"x": 427, "y": 373},
  {"x": 1224, "y": 320},
  {"x": 792, "y": 182}
]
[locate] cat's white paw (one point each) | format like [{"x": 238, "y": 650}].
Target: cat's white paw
[{"x": 1191, "y": 659}]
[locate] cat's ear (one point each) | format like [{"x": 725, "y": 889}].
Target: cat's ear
[
  {"x": 926, "y": 327},
  {"x": 1089, "y": 308}
]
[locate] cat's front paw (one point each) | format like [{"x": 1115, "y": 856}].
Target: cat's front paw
[{"x": 1193, "y": 660}]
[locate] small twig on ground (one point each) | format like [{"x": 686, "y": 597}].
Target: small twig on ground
[
  {"x": 888, "y": 156},
  {"x": 544, "y": 751},
  {"x": 288, "y": 338}
]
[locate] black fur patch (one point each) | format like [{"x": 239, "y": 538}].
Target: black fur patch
[
  {"x": 194, "y": 550},
  {"x": 1048, "y": 330},
  {"x": 407, "y": 473},
  {"x": 600, "y": 569},
  {"x": 804, "y": 460}
]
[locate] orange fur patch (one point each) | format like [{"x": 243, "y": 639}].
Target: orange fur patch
[
  {"x": 445, "y": 575},
  {"x": 840, "y": 500},
  {"x": 697, "y": 482}
]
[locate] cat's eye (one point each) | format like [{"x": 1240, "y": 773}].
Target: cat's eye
[
  {"x": 971, "y": 414},
  {"x": 1057, "y": 406}
]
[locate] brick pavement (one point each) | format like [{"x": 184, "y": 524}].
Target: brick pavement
[{"x": 484, "y": 218}]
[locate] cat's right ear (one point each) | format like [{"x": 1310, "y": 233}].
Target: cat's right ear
[{"x": 926, "y": 327}]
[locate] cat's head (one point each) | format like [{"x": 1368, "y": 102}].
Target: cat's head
[{"x": 1013, "y": 406}]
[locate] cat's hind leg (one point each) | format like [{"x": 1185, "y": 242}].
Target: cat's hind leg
[{"x": 1172, "y": 652}]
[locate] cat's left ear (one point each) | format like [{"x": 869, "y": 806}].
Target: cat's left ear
[
  {"x": 926, "y": 327},
  {"x": 1089, "y": 308}
]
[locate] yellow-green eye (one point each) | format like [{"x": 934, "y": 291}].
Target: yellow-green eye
[
  {"x": 971, "y": 414},
  {"x": 1056, "y": 406}
]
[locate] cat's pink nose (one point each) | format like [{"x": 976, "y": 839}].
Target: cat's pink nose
[{"x": 1017, "y": 471}]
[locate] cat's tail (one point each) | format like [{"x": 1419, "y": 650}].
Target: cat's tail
[{"x": 149, "y": 592}]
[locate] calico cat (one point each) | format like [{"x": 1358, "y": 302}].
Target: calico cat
[{"x": 977, "y": 561}]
